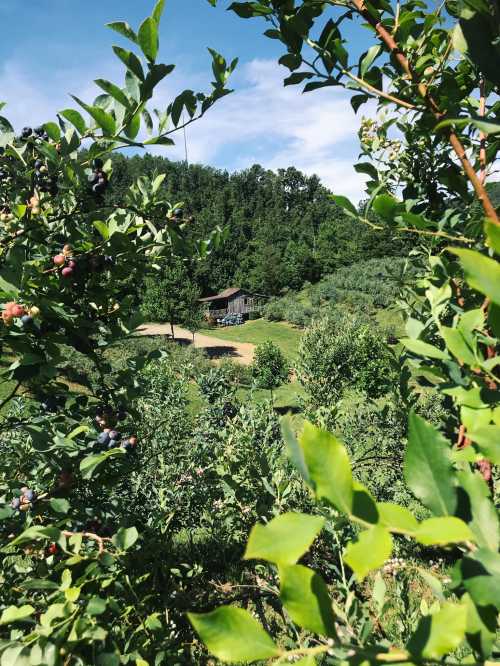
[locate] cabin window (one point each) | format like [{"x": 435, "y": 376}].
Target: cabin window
[{"x": 245, "y": 301}]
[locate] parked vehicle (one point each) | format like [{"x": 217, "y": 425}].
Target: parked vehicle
[{"x": 231, "y": 320}]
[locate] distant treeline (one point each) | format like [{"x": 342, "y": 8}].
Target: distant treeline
[{"x": 284, "y": 228}]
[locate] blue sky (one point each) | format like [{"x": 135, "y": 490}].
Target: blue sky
[{"x": 50, "y": 48}]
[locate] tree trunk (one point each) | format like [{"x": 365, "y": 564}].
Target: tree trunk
[{"x": 172, "y": 329}]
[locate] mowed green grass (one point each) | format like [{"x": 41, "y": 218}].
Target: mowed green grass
[{"x": 284, "y": 335}]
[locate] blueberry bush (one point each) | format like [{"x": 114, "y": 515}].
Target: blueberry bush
[
  {"x": 433, "y": 72},
  {"x": 74, "y": 589}
]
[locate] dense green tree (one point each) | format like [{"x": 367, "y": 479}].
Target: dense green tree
[
  {"x": 170, "y": 296},
  {"x": 283, "y": 228}
]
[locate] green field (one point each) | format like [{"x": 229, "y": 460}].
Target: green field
[{"x": 285, "y": 336}]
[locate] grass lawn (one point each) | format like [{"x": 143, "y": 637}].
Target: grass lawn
[
  {"x": 286, "y": 396},
  {"x": 286, "y": 336}
]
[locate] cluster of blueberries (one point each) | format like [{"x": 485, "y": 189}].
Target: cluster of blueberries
[
  {"x": 98, "y": 179},
  {"x": 39, "y": 132},
  {"x": 110, "y": 438},
  {"x": 44, "y": 181},
  {"x": 24, "y": 502}
]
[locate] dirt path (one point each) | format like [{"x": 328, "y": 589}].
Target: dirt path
[{"x": 216, "y": 349}]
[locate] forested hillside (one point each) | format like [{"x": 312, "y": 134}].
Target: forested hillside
[{"x": 284, "y": 229}]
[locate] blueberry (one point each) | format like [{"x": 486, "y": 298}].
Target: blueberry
[
  {"x": 53, "y": 190},
  {"x": 39, "y": 131},
  {"x": 16, "y": 503},
  {"x": 127, "y": 445},
  {"x": 3, "y": 175},
  {"x": 112, "y": 444},
  {"x": 103, "y": 438},
  {"x": 45, "y": 136},
  {"x": 38, "y": 164},
  {"x": 178, "y": 212},
  {"x": 93, "y": 178},
  {"x": 26, "y": 320},
  {"x": 30, "y": 495},
  {"x": 98, "y": 163},
  {"x": 114, "y": 434},
  {"x": 27, "y": 132}
]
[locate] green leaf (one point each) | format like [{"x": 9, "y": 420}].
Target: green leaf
[
  {"x": 368, "y": 58},
  {"x": 480, "y": 573},
  {"x": 158, "y": 11},
  {"x": 427, "y": 467},
  {"x": 305, "y": 598},
  {"x": 481, "y": 626},
  {"x": 130, "y": 60},
  {"x": 125, "y": 537},
  {"x": 102, "y": 228},
  {"x": 344, "y": 203},
  {"x": 103, "y": 119},
  {"x": 132, "y": 129},
  {"x": 35, "y": 533},
  {"x": 148, "y": 38},
  {"x": 481, "y": 273},
  {"x": 484, "y": 523},
  {"x": 114, "y": 91},
  {"x": 386, "y": 206},
  {"x": 329, "y": 467},
  {"x": 295, "y": 452},
  {"x": 96, "y": 606},
  {"x": 440, "y": 633},
  {"x": 378, "y": 593},
  {"x": 89, "y": 464},
  {"x": 458, "y": 346},
  {"x": 59, "y": 505},
  {"x": 370, "y": 551},
  {"x": 363, "y": 506},
  {"x": 123, "y": 28},
  {"x": 53, "y": 131},
  {"x": 16, "y": 614},
  {"x": 443, "y": 530},
  {"x": 233, "y": 635},
  {"x": 396, "y": 518},
  {"x": 482, "y": 125},
  {"x": 492, "y": 232},
  {"x": 487, "y": 439},
  {"x": 422, "y": 348},
  {"x": 284, "y": 539}
]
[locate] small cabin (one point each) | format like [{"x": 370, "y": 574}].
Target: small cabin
[{"x": 231, "y": 301}]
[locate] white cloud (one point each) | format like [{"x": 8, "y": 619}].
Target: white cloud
[{"x": 262, "y": 121}]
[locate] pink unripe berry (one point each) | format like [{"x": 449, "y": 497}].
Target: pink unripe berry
[
  {"x": 17, "y": 310},
  {"x": 72, "y": 264},
  {"x": 59, "y": 260},
  {"x": 67, "y": 272}
]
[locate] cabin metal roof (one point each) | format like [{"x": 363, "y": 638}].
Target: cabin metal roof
[{"x": 227, "y": 293}]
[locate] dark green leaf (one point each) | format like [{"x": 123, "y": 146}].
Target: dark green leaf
[
  {"x": 427, "y": 467},
  {"x": 130, "y": 60},
  {"x": 305, "y": 598},
  {"x": 148, "y": 38},
  {"x": 123, "y": 29}
]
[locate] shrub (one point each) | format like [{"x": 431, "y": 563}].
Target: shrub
[
  {"x": 270, "y": 368},
  {"x": 336, "y": 354}
]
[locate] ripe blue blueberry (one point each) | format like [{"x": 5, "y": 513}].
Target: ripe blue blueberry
[{"x": 103, "y": 438}]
